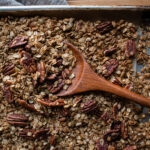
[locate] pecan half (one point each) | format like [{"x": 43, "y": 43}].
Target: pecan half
[
  {"x": 33, "y": 134},
  {"x": 130, "y": 48},
  {"x": 26, "y": 105},
  {"x": 89, "y": 106},
  {"x": 46, "y": 102},
  {"x": 28, "y": 62},
  {"x": 18, "y": 41},
  {"x": 101, "y": 147},
  {"x": 117, "y": 82},
  {"x": 8, "y": 94},
  {"x": 41, "y": 70},
  {"x": 58, "y": 88},
  {"x": 109, "y": 67},
  {"x": 109, "y": 51},
  {"x": 9, "y": 69},
  {"x": 17, "y": 119},
  {"x": 123, "y": 131},
  {"x": 104, "y": 27},
  {"x": 130, "y": 148}
]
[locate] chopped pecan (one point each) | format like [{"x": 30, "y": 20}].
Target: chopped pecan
[
  {"x": 46, "y": 102},
  {"x": 89, "y": 106},
  {"x": 41, "y": 70},
  {"x": 28, "y": 47},
  {"x": 109, "y": 51},
  {"x": 59, "y": 62},
  {"x": 114, "y": 133},
  {"x": 28, "y": 62},
  {"x": 104, "y": 27},
  {"x": 111, "y": 147},
  {"x": 111, "y": 135},
  {"x": 117, "y": 82},
  {"x": 115, "y": 111},
  {"x": 8, "y": 94},
  {"x": 123, "y": 132},
  {"x": 33, "y": 134},
  {"x": 109, "y": 67},
  {"x": 130, "y": 48},
  {"x": 52, "y": 77},
  {"x": 116, "y": 125},
  {"x": 52, "y": 140},
  {"x": 77, "y": 100},
  {"x": 129, "y": 87},
  {"x": 58, "y": 88},
  {"x": 101, "y": 147},
  {"x": 65, "y": 112},
  {"x": 17, "y": 119},
  {"x": 133, "y": 147},
  {"x": 26, "y": 105},
  {"x": 18, "y": 41},
  {"x": 9, "y": 69},
  {"x": 65, "y": 73},
  {"x": 40, "y": 133},
  {"x": 105, "y": 116}
]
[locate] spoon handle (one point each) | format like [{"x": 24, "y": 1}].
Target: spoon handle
[{"x": 104, "y": 85}]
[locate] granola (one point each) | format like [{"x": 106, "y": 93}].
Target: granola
[{"x": 35, "y": 64}]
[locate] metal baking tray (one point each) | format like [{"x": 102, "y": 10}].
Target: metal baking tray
[{"x": 135, "y": 14}]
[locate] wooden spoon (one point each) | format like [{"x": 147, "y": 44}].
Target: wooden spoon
[{"x": 87, "y": 80}]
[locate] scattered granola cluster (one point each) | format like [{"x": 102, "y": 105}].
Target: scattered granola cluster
[{"x": 35, "y": 64}]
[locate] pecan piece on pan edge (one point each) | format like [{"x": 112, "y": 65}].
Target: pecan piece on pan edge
[
  {"x": 109, "y": 67},
  {"x": 104, "y": 27},
  {"x": 8, "y": 94},
  {"x": 130, "y": 48},
  {"x": 59, "y": 102},
  {"x": 27, "y": 62},
  {"x": 9, "y": 69},
  {"x": 17, "y": 119},
  {"x": 89, "y": 106},
  {"x": 18, "y": 41}
]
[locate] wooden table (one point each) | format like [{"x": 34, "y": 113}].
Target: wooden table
[{"x": 110, "y": 2}]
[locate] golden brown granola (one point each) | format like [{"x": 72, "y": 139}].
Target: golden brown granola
[{"x": 35, "y": 64}]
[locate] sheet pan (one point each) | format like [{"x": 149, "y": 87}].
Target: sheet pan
[{"x": 135, "y": 14}]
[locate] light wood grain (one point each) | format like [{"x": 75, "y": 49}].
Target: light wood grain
[{"x": 110, "y": 2}]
